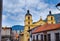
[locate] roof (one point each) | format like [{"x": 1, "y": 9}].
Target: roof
[
  {"x": 28, "y": 14},
  {"x": 47, "y": 27},
  {"x": 6, "y": 28}
]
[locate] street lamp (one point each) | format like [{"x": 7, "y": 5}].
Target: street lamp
[{"x": 58, "y": 6}]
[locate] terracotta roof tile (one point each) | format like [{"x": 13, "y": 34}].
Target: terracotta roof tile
[{"x": 47, "y": 27}]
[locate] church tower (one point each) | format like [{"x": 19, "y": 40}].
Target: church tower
[
  {"x": 50, "y": 18},
  {"x": 28, "y": 23}
]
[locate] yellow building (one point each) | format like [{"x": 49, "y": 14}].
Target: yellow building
[{"x": 29, "y": 24}]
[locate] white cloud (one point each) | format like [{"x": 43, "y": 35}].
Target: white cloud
[
  {"x": 27, "y": 4},
  {"x": 4, "y": 17},
  {"x": 17, "y": 9},
  {"x": 42, "y": 5}
]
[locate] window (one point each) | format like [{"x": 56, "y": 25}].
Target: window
[
  {"x": 33, "y": 38},
  {"x": 49, "y": 37},
  {"x": 51, "y": 18},
  {"x": 57, "y": 37},
  {"x": 37, "y": 37},
  {"x": 45, "y": 38},
  {"x": 28, "y": 39},
  {"x": 51, "y": 22},
  {"x": 29, "y": 27},
  {"x": 41, "y": 37},
  {"x": 28, "y": 17},
  {"x": 30, "y": 35},
  {"x": 28, "y": 22}
]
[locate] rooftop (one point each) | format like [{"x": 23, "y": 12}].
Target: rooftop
[{"x": 47, "y": 27}]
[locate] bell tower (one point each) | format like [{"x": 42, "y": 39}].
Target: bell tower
[
  {"x": 28, "y": 20},
  {"x": 28, "y": 23},
  {"x": 50, "y": 18}
]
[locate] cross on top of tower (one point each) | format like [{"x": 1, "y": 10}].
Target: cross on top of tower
[
  {"x": 28, "y": 13},
  {"x": 50, "y": 12}
]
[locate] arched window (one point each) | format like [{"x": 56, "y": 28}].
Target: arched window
[
  {"x": 28, "y": 17},
  {"x": 51, "y": 22},
  {"x": 28, "y": 22},
  {"x": 51, "y": 18},
  {"x": 29, "y": 27}
]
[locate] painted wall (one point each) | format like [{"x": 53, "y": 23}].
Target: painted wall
[{"x": 49, "y": 32}]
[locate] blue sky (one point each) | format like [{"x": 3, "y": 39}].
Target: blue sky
[{"x": 14, "y": 10}]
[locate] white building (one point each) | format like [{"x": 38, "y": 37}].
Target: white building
[
  {"x": 47, "y": 32},
  {"x": 6, "y": 33}
]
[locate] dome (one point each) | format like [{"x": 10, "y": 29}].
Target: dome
[{"x": 28, "y": 13}]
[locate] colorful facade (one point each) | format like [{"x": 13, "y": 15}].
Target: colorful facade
[{"x": 29, "y": 24}]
